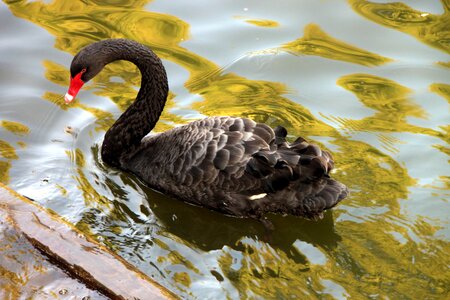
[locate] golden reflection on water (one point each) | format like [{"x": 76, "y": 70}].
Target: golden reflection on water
[
  {"x": 316, "y": 42},
  {"x": 390, "y": 102},
  {"x": 260, "y": 100},
  {"x": 173, "y": 257},
  {"x": 428, "y": 28},
  {"x": 378, "y": 250},
  {"x": 4, "y": 171},
  {"x": 15, "y": 127},
  {"x": 91, "y": 197},
  {"x": 260, "y": 22},
  {"x": 444, "y": 64},
  {"x": 441, "y": 89},
  {"x": 7, "y": 151}
]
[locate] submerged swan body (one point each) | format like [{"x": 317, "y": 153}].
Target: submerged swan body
[{"x": 227, "y": 164}]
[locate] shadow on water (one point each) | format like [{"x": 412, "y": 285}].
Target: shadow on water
[{"x": 209, "y": 230}]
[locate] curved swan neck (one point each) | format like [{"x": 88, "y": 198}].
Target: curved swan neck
[{"x": 140, "y": 118}]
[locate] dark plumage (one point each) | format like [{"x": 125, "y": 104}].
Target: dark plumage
[{"x": 231, "y": 165}]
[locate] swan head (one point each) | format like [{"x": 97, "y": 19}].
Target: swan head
[{"x": 85, "y": 66}]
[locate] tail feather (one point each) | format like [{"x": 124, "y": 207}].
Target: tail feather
[
  {"x": 298, "y": 171},
  {"x": 327, "y": 197}
]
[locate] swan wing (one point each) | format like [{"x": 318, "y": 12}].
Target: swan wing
[
  {"x": 226, "y": 151},
  {"x": 218, "y": 149}
]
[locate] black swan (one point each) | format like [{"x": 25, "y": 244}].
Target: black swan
[{"x": 227, "y": 164}]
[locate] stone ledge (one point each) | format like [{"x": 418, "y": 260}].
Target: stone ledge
[{"x": 81, "y": 257}]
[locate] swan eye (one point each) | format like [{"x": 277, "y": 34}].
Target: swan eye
[{"x": 83, "y": 71}]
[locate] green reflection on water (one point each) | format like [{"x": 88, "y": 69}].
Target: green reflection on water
[{"x": 371, "y": 248}]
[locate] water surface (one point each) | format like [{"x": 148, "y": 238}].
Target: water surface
[{"x": 367, "y": 80}]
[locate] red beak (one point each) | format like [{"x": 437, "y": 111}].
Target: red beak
[{"x": 75, "y": 85}]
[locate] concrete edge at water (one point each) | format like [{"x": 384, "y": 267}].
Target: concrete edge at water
[{"x": 77, "y": 254}]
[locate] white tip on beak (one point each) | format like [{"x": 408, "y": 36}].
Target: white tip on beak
[{"x": 68, "y": 98}]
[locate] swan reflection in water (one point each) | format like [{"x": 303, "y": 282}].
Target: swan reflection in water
[{"x": 207, "y": 230}]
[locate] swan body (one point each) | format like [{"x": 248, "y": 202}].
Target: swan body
[{"x": 227, "y": 164}]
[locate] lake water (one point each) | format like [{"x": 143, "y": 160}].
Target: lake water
[{"x": 368, "y": 80}]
